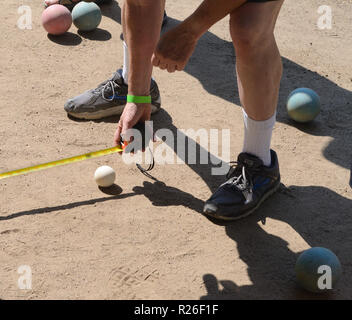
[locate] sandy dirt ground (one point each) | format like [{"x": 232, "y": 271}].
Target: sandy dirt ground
[{"x": 145, "y": 238}]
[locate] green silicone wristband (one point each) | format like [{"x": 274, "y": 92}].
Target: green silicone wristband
[{"x": 139, "y": 99}]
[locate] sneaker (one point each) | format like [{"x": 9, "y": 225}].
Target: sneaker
[
  {"x": 108, "y": 99},
  {"x": 248, "y": 185}
]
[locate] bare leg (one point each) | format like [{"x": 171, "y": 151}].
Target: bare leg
[
  {"x": 258, "y": 60},
  {"x": 259, "y": 69}
]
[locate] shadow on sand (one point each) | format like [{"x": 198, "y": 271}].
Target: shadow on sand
[{"x": 319, "y": 215}]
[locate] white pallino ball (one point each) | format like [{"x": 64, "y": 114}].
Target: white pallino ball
[{"x": 104, "y": 176}]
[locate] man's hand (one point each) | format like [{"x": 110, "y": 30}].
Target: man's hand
[
  {"x": 175, "y": 48},
  {"x": 132, "y": 114},
  {"x": 177, "y": 45}
]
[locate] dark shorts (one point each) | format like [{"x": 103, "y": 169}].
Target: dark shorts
[{"x": 260, "y": 0}]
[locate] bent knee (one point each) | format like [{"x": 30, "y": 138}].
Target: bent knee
[
  {"x": 248, "y": 38},
  {"x": 248, "y": 34}
]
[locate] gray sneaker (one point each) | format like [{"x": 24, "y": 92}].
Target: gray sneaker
[{"x": 108, "y": 99}]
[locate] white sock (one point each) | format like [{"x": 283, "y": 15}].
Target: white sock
[
  {"x": 125, "y": 63},
  {"x": 257, "y": 137}
]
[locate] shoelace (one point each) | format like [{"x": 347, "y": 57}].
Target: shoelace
[
  {"x": 110, "y": 84},
  {"x": 246, "y": 185},
  {"x": 240, "y": 181}
]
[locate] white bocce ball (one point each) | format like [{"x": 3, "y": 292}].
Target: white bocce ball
[{"x": 104, "y": 176}]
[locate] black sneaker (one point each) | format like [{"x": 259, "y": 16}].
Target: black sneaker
[
  {"x": 108, "y": 99},
  {"x": 248, "y": 185}
]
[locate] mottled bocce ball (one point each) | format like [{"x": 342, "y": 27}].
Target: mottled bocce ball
[
  {"x": 86, "y": 16},
  {"x": 303, "y": 105},
  {"x": 56, "y": 19},
  {"x": 311, "y": 269}
]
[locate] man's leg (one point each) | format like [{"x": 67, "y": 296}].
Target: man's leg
[{"x": 259, "y": 69}]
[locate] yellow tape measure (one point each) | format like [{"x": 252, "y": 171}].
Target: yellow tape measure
[{"x": 61, "y": 162}]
